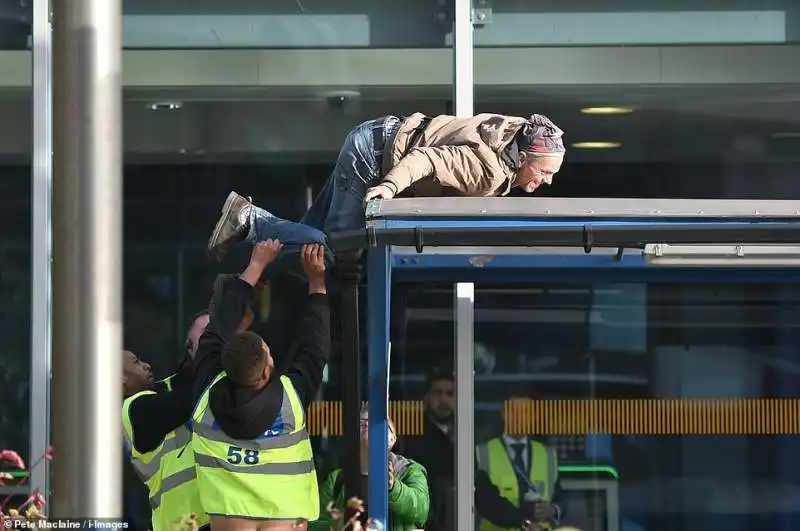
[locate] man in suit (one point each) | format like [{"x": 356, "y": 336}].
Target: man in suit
[{"x": 435, "y": 450}]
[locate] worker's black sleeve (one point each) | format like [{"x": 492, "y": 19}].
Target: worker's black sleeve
[
  {"x": 154, "y": 416},
  {"x": 313, "y": 348},
  {"x": 494, "y": 507},
  {"x": 237, "y": 296}
]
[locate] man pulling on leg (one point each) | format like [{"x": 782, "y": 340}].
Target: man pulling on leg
[{"x": 254, "y": 460}]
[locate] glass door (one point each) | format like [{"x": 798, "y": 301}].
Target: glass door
[{"x": 654, "y": 405}]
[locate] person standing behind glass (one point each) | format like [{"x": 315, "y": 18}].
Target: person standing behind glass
[
  {"x": 409, "y": 497},
  {"x": 525, "y": 471},
  {"x": 435, "y": 449}
]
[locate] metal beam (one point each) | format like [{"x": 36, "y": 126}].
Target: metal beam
[
  {"x": 87, "y": 258},
  {"x": 569, "y": 234},
  {"x": 559, "y": 207},
  {"x": 41, "y": 245},
  {"x": 465, "y": 404}
]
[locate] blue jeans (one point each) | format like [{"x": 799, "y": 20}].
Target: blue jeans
[{"x": 340, "y": 204}]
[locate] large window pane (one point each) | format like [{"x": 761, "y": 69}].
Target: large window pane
[
  {"x": 687, "y": 141},
  {"x": 293, "y": 24},
  {"x": 268, "y": 123},
  {"x": 15, "y": 236},
  {"x": 668, "y": 406},
  {"x": 645, "y": 22},
  {"x": 15, "y": 279}
]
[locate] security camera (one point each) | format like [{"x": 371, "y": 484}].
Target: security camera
[
  {"x": 341, "y": 100},
  {"x": 337, "y": 102}
]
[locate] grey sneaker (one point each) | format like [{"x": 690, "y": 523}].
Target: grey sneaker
[{"x": 231, "y": 227}]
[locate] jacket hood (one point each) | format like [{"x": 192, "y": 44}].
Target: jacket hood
[
  {"x": 245, "y": 413},
  {"x": 399, "y": 463}
]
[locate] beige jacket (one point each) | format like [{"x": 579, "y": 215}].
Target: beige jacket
[{"x": 452, "y": 156}]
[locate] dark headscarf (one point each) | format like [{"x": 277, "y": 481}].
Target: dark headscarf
[{"x": 541, "y": 135}]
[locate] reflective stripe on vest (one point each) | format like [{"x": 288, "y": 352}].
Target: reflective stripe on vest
[
  {"x": 146, "y": 464},
  {"x": 178, "y": 494},
  {"x": 171, "y": 482},
  {"x": 271, "y": 476},
  {"x": 168, "y": 470},
  {"x": 493, "y": 458}
]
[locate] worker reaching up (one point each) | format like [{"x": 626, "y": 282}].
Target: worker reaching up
[
  {"x": 481, "y": 156},
  {"x": 255, "y": 469}
]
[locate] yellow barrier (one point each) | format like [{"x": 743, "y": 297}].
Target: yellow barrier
[
  {"x": 755, "y": 416},
  {"x": 325, "y": 418}
]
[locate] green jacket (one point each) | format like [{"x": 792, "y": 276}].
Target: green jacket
[{"x": 409, "y": 498}]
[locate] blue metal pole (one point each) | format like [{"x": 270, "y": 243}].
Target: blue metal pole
[{"x": 379, "y": 293}]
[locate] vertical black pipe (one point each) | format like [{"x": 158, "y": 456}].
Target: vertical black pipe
[{"x": 350, "y": 271}]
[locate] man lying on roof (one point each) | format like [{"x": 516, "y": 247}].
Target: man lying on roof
[{"x": 482, "y": 156}]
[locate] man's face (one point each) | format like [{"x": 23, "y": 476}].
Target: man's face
[
  {"x": 440, "y": 400},
  {"x": 136, "y": 374},
  {"x": 535, "y": 171},
  {"x": 195, "y": 331},
  {"x": 364, "y": 427}
]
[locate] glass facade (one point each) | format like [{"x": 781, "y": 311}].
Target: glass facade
[{"x": 693, "y": 101}]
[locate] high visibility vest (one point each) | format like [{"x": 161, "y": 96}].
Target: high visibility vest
[
  {"x": 169, "y": 473},
  {"x": 493, "y": 459},
  {"x": 269, "y": 477}
]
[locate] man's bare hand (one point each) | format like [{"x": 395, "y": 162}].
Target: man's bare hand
[
  {"x": 543, "y": 511},
  {"x": 378, "y": 192},
  {"x": 265, "y": 252},
  {"x": 312, "y": 257},
  {"x": 391, "y": 475}
]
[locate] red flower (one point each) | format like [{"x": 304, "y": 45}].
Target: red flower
[
  {"x": 12, "y": 457},
  {"x": 48, "y": 454},
  {"x": 38, "y": 500}
]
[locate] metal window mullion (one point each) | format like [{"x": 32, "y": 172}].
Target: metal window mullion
[
  {"x": 465, "y": 404},
  {"x": 463, "y": 69},
  {"x": 41, "y": 246}
]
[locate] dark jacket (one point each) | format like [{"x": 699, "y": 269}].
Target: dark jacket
[
  {"x": 245, "y": 413},
  {"x": 408, "y": 499}
]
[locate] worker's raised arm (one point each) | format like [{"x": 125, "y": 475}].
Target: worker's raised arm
[
  {"x": 228, "y": 313},
  {"x": 314, "y": 330},
  {"x": 457, "y": 167}
]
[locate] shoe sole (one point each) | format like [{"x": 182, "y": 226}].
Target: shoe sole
[{"x": 230, "y": 202}]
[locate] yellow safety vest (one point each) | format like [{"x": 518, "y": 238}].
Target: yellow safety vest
[
  {"x": 169, "y": 473},
  {"x": 493, "y": 459},
  {"x": 269, "y": 477}
]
